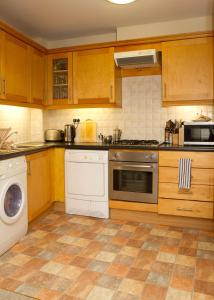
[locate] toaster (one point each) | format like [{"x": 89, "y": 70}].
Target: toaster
[{"x": 54, "y": 135}]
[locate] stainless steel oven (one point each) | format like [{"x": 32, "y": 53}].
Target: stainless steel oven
[{"x": 133, "y": 176}]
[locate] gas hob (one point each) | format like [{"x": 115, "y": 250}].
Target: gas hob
[{"x": 139, "y": 142}]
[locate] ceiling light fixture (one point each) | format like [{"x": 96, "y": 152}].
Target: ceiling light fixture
[{"x": 121, "y": 1}]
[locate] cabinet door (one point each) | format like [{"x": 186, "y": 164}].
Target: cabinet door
[
  {"x": 38, "y": 180},
  {"x": 59, "y": 79},
  {"x": 16, "y": 70},
  {"x": 37, "y": 76},
  {"x": 58, "y": 174},
  {"x": 1, "y": 65},
  {"x": 94, "y": 76},
  {"x": 187, "y": 67}
]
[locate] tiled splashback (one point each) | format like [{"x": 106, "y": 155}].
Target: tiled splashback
[
  {"x": 28, "y": 122},
  {"x": 141, "y": 117}
]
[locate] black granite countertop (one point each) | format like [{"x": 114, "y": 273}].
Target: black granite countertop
[{"x": 41, "y": 146}]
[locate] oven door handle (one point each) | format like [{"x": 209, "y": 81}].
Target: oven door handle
[{"x": 138, "y": 166}]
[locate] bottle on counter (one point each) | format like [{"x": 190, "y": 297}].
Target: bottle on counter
[{"x": 116, "y": 135}]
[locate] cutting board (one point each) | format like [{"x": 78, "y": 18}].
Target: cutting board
[{"x": 88, "y": 132}]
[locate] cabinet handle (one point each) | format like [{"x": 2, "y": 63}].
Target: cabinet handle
[
  {"x": 28, "y": 168},
  {"x": 111, "y": 91},
  {"x": 185, "y": 191},
  {"x": 164, "y": 91},
  {"x": 183, "y": 209},
  {"x": 4, "y": 87}
]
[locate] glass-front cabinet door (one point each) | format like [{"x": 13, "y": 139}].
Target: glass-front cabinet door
[{"x": 60, "y": 79}]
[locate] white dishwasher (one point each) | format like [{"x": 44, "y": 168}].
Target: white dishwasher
[{"x": 86, "y": 183}]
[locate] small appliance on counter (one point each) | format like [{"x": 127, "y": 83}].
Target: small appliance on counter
[
  {"x": 70, "y": 131},
  {"x": 88, "y": 132},
  {"x": 199, "y": 133},
  {"x": 54, "y": 135}
]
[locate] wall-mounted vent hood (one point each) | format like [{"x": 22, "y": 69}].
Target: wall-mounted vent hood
[{"x": 137, "y": 59}]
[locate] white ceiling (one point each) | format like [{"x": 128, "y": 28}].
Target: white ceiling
[{"x": 61, "y": 19}]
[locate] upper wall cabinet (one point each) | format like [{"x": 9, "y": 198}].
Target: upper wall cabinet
[
  {"x": 1, "y": 65},
  {"x": 15, "y": 69},
  {"x": 96, "y": 80},
  {"x": 187, "y": 67},
  {"x": 60, "y": 79},
  {"x": 37, "y": 69}
]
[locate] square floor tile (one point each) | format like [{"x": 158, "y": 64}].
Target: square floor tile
[
  {"x": 175, "y": 294},
  {"x": 52, "y": 267},
  {"x": 98, "y": 293},
  {"x": 166, "y": 257},
  {"x": 131, "y": 286}
]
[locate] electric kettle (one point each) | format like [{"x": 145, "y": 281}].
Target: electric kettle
[{"x": 70, "y": 131}]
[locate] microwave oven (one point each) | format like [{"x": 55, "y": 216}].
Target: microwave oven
[{"x": 199, "y": 133}]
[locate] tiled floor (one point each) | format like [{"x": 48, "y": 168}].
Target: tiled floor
[{"x": 71, "y": 257}]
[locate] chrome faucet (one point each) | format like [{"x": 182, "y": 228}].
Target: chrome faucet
[{"x": 2, "y": 142}]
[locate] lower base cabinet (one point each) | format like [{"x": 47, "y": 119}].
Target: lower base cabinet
[
  {"x": 57, "y": 156},
  {"x": 198, "y": 201},
  {"x": 38, "y": 183},
  {"x": 195, "y": 209}
]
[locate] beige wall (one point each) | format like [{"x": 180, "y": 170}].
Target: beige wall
[
  {"x": 138, "y": 31},
  {"x": 92, "y": 39},
  {"x": 28, "y": 122},
  {"x": 165, "y": 28}
]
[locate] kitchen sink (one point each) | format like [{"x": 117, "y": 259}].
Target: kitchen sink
[
  {"x": 6, "y": 151},
  {"x": 29, "y": 145}
]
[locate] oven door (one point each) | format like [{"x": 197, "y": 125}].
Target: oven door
[{"x": 135, "y": 182}]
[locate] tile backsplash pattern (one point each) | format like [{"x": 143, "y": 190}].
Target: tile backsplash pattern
[
  {"x": 27, "y": 121},
  {"x": 141, "y": 117}
]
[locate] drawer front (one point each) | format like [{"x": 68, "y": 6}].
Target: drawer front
[
  {"x": 185, "y": 208},
  {"x": 199, "y": 176},
  {"x": 204, "y": 160},
  {"x": 197, "y": 192}
]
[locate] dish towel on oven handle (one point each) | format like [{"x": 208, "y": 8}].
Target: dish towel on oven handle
[{"x": 184, "y": 176}]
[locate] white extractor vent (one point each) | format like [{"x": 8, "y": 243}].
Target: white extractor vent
[{"x": 137, "y": 59}]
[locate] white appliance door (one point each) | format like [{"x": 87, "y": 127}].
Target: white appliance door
[
  {"x": 85, "y": 179},
  {"x": 11, "y": 202}
]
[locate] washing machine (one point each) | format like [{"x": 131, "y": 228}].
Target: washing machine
[{"x": 13, "y": 201}]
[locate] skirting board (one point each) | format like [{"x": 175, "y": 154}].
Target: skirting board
[
  {"x": 154, "y": 218},
  {"x": 59, "y": 206}
]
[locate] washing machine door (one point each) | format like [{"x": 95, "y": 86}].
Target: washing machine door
[{"x": 12, "y": 202}]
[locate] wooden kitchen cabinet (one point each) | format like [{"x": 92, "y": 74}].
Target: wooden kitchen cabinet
[
  {"x": 37, "y": 70},
  {"x": 15, "y": 69},
  {"x": 185, "y": 208},
  {"x": 60, "y": 79},
  {"x": 96, "y": 79},
  {"x": 58, "y": 174},
  {"x": 38, "y": 183},
  {"x": 198, "y": 201},
  {"x": 187, "y": 71},
  {"x": 1, "y": 65}
]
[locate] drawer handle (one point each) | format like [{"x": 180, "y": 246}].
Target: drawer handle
[
  {"x": 184, "y": 191},
  {"x": 183, "y": 209}
]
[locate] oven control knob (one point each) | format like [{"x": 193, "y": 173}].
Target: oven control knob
[
  {"x": 115, "y": 156},
  {"x": 153, "y": 156}
]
